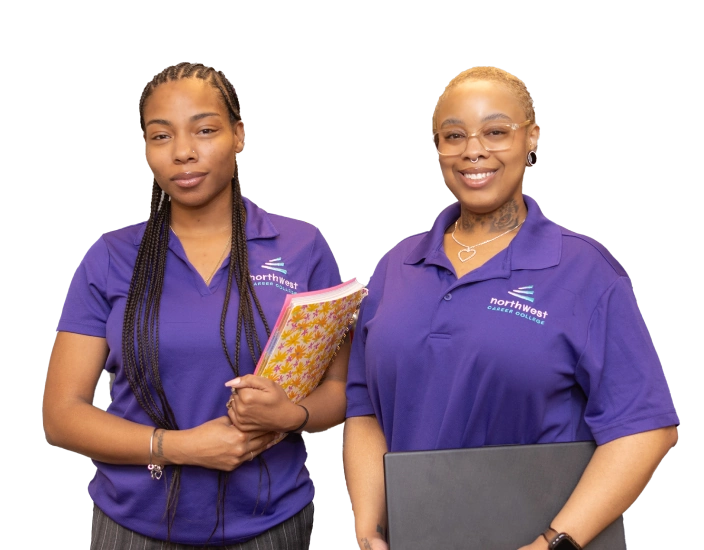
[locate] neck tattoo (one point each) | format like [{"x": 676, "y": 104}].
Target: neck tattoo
[{"x": 467, "y": 252}]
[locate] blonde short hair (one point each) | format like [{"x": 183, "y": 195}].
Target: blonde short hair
[{"x": 492, "y": 74}]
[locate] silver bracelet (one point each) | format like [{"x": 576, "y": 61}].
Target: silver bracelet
[{"x": 156, "y": 470}]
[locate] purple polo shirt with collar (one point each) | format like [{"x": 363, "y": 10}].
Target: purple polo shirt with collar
[
  {"x": 543, "y": 343},
  {"x": 285, "y": 256}
]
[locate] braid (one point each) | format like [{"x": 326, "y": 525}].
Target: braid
[{"x": 140, "y": 333}]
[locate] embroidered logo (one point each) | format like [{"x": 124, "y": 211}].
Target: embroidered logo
[
  {"x": 278, "y": 281},
  {"x": 518, "y": 308},
  {"x": 275, "y": 265},
  {"x": 524, "y": 293}
]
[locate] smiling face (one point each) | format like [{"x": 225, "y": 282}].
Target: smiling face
[
  {"x": 191, "y": 142},
  {"x": 496, "y": 177}
]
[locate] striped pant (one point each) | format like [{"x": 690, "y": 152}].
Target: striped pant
[{"x": 292, "y": 534}]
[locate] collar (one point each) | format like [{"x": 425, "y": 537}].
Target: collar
[
  {"x": 258, "y": 224},
  {"x": 538, "y": 244}
]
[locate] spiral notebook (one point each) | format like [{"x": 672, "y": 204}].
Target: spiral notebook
[{"x": 487, "y": 498}]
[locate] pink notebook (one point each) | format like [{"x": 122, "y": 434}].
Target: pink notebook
[{"x": 310, "y": 329}]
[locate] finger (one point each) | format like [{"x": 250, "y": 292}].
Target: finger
[
  {"x": 249, "y": 381},
  {"x": 268, "y": 441}
]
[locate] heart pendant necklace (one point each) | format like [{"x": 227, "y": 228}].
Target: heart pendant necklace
[{"x": 467, "y": 253}]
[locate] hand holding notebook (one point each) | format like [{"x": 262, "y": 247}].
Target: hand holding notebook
[{"x": 310, "y": 329}]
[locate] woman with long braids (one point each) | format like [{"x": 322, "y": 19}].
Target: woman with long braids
[{"x": 175, "y": 308}]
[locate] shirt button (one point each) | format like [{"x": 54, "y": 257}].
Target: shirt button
[{"x": 447, "y": 297}]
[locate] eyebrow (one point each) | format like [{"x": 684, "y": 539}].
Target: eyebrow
[
  {"x": 194, "y": 118},
  {"x": 494, "y": 116}
]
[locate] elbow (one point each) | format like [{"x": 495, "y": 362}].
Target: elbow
[
  {"x": 340, "y": 413},
  {"x": 672, "y": 436},
  {"x": 52, "y": 429}
]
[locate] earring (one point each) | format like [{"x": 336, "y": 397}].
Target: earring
[{"x": 531, "y": 159}]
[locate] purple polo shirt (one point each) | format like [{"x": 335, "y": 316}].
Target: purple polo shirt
[
  {"x": 285, "y": 256},
  {"x": 543, "y": 343}
]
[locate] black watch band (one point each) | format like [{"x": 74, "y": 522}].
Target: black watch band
[{"x": 560, "y": 541}]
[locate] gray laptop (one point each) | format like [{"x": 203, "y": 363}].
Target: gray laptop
[{"x": 488, "y": 498}]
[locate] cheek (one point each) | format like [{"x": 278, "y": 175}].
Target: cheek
[
  {"x": 445, "y": 165},
  {"x": 514, "y": 162},
  {"x": 156, "y": 163}
]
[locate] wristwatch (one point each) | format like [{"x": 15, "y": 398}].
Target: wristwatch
[{"x": 560, "y": 541}]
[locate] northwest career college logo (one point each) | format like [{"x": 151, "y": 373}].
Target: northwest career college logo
[
  {"x": 271, "y": 279},
  {"x": 523, "y": 292},
  {"x": 275, "y": 265},
  {"x": 517, "y": 307}
]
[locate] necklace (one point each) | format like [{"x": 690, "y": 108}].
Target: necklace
[
  {"x": 219, "y": 262},
  {"x": 472, "y": 250}
]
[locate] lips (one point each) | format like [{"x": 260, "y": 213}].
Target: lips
[
  {"x": 188, "y": 179},
  {"x": 477, "y": 177}
]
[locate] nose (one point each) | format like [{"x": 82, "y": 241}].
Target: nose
[
  {"x": 474, "y": 148},
  {"x": 184, "y": 150}
]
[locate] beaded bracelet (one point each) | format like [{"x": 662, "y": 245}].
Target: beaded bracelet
[
  {"x": 297, "y": 430},
  {"x": 156, "y": 470}
]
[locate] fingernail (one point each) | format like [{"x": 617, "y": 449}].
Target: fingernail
[{"x": 234, "y": 382}]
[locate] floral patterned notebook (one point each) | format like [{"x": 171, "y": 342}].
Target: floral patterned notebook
[{"x": 309, "y": 331}]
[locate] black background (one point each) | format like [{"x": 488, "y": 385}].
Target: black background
[{"x": 346, "y": 143}]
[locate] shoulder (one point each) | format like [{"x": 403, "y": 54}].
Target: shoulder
[
  {"x": 289, "y": 246},
  {"x": 393, "y": 262},
  {"x": 586, "y": 248},
  {"x": 129, "y": 235},
  {"x": 587, "y": 269},
  {"x": 265, "y": 225},
  {"x": 292, "y": 227},
  {"x": 126, "y": 238}
]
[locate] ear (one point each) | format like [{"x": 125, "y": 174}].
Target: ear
[
  {"x": 239, "y": 136},
  {"x": 532, "y": 138}
]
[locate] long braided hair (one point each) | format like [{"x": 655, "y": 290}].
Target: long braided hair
[{"x": 140, "y": 333}]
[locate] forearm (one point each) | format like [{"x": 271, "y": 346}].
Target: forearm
[
  {"x": 363, "y": 453},
  {"x": 617, "y": 473},
  {"x": 326, "y": 406},
  {"x": 80, "y": 427}
]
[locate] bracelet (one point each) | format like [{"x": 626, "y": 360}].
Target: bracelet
[
  {"x": 558, "y": 537},
  {"x": 545, "y": 534},
  {"x": 156, "y": 470},
  {"x": 298, "y": 430}
]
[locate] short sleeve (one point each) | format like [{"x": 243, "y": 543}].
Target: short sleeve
[
  {"x": 323, "y": 271},
  {"x": 620, "y": 372},
  {"x": 359, "y": 402},
  {"x": 86, "y": 308}
]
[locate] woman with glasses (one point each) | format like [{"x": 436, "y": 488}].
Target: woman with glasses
[
  {"x": 499, "y": 327},
  {"x": 175, "y": 308}
]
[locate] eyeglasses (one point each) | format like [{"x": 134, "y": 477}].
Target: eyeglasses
[{"x": 494, "y": 136}]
